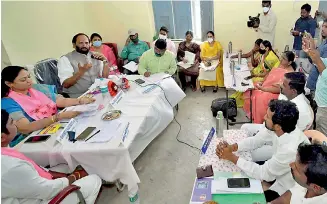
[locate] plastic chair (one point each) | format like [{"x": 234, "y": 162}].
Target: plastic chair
[
  {"x": 46, "y": 72},
  {"x": 67, "y": 191}
]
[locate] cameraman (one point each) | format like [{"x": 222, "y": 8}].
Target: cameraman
[{"x": 268, "y": 21}]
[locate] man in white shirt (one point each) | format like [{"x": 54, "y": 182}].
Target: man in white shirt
[
  {"x": 281, "y": 118},
  {"x": 309, "y": 171},
  {"x": 163, "y": 34},
  {"x": 23, "y": 181},
  {"x": 292, "y": 89},
  {"x": 78, "y": 69},
  {"x": 268, "y": 20}
]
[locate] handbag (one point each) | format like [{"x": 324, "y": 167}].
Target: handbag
[{"x": 220, "y": 104}]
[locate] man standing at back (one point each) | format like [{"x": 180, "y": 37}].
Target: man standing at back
[
  {"x": 304, "y": 24},
  {"x": 268, "y": 20},
  {"x": 163, "y": 34},
  {"x": 78, "y": 69}
]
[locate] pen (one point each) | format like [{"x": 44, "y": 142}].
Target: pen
[{"x": 92, "y": 135}]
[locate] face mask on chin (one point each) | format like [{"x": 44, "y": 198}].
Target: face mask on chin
[
  {"x": 157, "y": 54},
  {"x": 84, "y": 52}
]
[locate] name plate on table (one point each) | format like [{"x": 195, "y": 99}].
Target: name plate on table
[
  {"x": 70, "y": 126},
  {"x": 207, "y": 141},
  {"x": 115, "y": 101}
]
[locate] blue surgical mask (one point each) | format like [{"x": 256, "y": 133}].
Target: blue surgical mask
[{"x": 97, "y": 43}]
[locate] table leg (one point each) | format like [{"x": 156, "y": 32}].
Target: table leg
[
  {"x": 227, "y": 122},
  {"x": 251, "y": 106}
]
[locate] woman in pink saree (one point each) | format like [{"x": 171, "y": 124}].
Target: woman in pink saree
[{"x": 269, "y": 89}]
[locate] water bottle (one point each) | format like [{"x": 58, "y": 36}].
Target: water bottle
[
  {"x": 104, "y": 89},
  {"x": 239, "y": 57},
  {"x": 219, "y": 124},
  {"x": 134, "y": 196},
  {"x": 230, "y": 47}
]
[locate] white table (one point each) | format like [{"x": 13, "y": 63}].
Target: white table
[
  {"x": 234, "y": 81},
  {"x": 148, "y": 114}
]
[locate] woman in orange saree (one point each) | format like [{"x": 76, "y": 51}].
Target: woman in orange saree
[{"x": 269, "y": 89}]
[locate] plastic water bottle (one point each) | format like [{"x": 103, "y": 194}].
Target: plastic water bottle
[
  {"x": 134, "y": 196},
  {"x": 220, "y": 124},
  {"x": 104, "y": 89}
]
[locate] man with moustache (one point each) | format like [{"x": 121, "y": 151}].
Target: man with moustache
[
  {"x": 280, "y": 120},
  {"x": 309, "y": 172},
  {"x": 78, "y": 69}
]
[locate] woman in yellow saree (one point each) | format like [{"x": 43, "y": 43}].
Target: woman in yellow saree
[
  {"x": 212, "y": 51},
  {"x": 268, "y": 61}
]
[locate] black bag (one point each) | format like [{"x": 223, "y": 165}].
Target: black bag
[{"x": 220, "y": 104}]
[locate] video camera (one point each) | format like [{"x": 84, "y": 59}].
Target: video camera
[{"x": 253, "y": 20}]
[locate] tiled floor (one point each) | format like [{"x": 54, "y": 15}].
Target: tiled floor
[{"x": 166, "y": 167}]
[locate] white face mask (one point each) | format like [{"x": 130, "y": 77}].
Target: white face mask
[
  {"x": 265, "y": 9},
  {"x": 164, "y": 37},
  {"x": 210, "y": 40}
]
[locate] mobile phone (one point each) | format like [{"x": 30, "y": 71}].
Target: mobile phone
[
  {"x": 38, "y": 138},
  {"x": 85, "y": 133},
  {"x": 139, "y": 81},
  {"x": 238, "y": 183}
]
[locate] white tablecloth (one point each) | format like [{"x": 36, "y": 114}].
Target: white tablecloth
[
  {"x": 239, "y": 75},
  {"x": 148, "y": 115}
]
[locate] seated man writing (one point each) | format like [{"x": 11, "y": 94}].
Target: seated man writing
[
  {"x": 309, "y": 172},
  {"x": 157, "y": 60},
  {"x": 281, "y": 119},
  {"x": 78, "y": 69},
  {"x": 292, "y": 89},
  {"x": 133, "y": 49},
  {"x": 23, "y": 181}
]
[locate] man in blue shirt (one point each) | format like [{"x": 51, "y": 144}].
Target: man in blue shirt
[
  {"x": 304, "y": 23},
  {"x": 314, "y": 73}
]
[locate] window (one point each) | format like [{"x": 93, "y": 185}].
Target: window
[{"x": 181, "y": 16}]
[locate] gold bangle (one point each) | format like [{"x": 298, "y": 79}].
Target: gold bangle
[
  {"x": 73, "y": 176},
  {"x": 79, "y": 175}
]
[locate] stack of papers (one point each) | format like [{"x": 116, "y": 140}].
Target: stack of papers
[
  {"x": 213, "y": 66},
  {"x": 131, "y": 66},
  {"x": 190, "y": 57},
  {"x": 220, "y": 187},
  {"x": 87, "y": 109}
]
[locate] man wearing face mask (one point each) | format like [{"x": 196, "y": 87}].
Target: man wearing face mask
[
  {"x": 78, "y": 69},
  {"x": 157, "y": 60},
  {"x": 133, "y": 49},
  {"x": 163, "y": 34},
  {"x": 268, "y": 21},
  {"x": 281, "y": 119}
]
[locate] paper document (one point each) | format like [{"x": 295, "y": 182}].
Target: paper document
[
  {"x": 84, "y": 108},
  {"x": 131, "y": 66},
  {"x": 190, "y": 57},
  {"x": 213, "y": 66},
  {"x": 220, "y": 187},
  {"x": 184, "y": 65}
]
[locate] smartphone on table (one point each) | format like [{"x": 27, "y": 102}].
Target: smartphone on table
[
  {"x": 85, "y": 133},
  {"x": 38, "y": 138},
  {"x": 238, "y": 183},
  {"x": 139, "y": 81}
]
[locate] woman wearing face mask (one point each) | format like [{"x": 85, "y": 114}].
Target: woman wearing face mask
[
  {"x": 97, "y": 46},
  {"x": 192, "y": 71},
  {"x": 267, "y": 60},
  {"x": 269, "y": 88},
  {"x": 212, "y": 51},
  {"x": 32, "y": 109}
]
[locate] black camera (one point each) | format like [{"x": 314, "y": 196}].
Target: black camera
[{"x": 253, "y": 20}]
